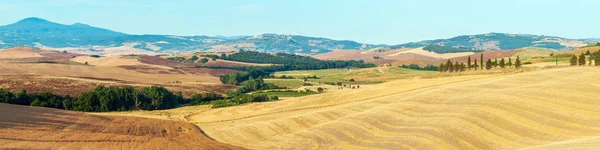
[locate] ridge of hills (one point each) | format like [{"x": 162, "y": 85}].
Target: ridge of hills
[{"x": 86, "y": 39}]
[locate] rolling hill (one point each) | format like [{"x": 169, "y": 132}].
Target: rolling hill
[
  {"x": 82, "y": 38},
  {"x": 466, "y": 112},
  {"x": 23, "y": 127},
  {"x": 503, "y": 41}
]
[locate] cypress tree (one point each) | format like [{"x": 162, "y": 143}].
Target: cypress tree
[
  {"x": 488, "y": 64},
  {"x": 588, "y": 53},
  {"x": 481, "y": 59},
  {"x": 509, "y": 62},
  {"x": 456, "y": 67},
  {"x": 441, "y": 67},
  {"x": 469, "y": 63},
  {"x": 597, "y": 59},
  {"x": 450, "y": 66},
  {"x": 496, "y": 63},
  {"x": 518, "y": 63},
  {"x": 502, "y": 63},
  {"x": 582, "y": 59},
  {"x": 475, "y": 65},
  {"x": 590, "y": 59},
  {"x": 462, "y": 67},
  {"x": 573, "y": 60}
]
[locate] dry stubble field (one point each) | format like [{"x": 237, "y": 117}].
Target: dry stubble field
[
  {"x": 541, "y": 109},
  {"x": 23, "y": 127}
]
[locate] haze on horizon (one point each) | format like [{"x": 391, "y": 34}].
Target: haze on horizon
[{"x": 375, "y": 22}]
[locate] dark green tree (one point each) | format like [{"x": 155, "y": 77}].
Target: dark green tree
[
  {"x": 320, "y": 90},
  {"x": 488, "y": 64},
  {"x": 597, "y": 59},
  {"x": 456, "y": 67},
  {"x": 481, "y": 59},
  {"x": 518, "y": 63},
  {"x": 582, "y": 59},
  {"x": 475, "y": 64},
  {"x": 469, "y": 62},
  {"x": 495, "y": 63},
  {"x": 509, "y": 64},
  {"x": 450, "y": 66},
  {"x": 573, "y": 60},
  {"x": 442, "y": 67},
  {"x": 502, "y": 63},
  {"x": 204, "y": 60},
  {"x": 590, "y": 59}
]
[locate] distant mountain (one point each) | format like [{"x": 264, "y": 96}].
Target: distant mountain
[
  {"x": 82, "y": 38},
  {"x": 30, "y": 31},
  {"x": 288, "y": 44},
  {"x": 503, "y": 41}
]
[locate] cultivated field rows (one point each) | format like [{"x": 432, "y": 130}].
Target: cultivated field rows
[{"x": 467, "y": 112}]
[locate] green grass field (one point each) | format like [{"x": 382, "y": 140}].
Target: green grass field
[
  {"x": 289, "y": 83},
  {"x": 286, "y": 93},
  {"x": 367, "y": 75}
]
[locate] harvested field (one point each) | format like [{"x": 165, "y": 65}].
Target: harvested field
[
  {"x": 23, "y": 127},
  {"x": 206, "y": 71},
  {"x": 156, "y": 60},
  {"x": 151, "y": 70},
  {"x": 397, "y": 56},
  {"x": 539, "y": 108},
  {"x": 74, "y": 86},
  {"x": 26, "y": 54},
  {"x": 101, "y": 72},
  {"x": 56, "y": 85}
]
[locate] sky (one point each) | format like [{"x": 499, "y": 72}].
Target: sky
[{"x": 367, "y": 21}]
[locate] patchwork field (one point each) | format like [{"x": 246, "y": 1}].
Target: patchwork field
[
  {"x": 63, "y": 73},
  {"x": 546, "y": 108},
  {"x": 23, "y": 127}
]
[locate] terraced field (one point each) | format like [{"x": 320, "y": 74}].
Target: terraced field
[{"x": 553, "y": 108}]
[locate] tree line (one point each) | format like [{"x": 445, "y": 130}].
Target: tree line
[
  {"x": 282, "y": 61},
  {"x": 449, "y": 66},
  {"x": 100, "y": 99},
  {"x": 428, "y": 67},
  {"x": 294, "y": 62},
  {"x": 581, "y": 60}
]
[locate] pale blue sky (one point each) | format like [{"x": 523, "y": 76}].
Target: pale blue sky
[{"x": 369, "y": 21}]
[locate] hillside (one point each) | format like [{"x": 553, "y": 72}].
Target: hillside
[
  {"x": 466, "y": 112},
  {"x": 503, "y": 41},
  {"x": 23, "y": 127},
  {"x": 82, "y": 38},
  {"x": 86, "y": 39},
  {"x": 274, "y": 43}
]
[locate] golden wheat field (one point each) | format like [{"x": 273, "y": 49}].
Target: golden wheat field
[{"x": 555, "y": 108}]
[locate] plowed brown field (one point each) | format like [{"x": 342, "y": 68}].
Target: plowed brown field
[{"x": 42, "y": 128}]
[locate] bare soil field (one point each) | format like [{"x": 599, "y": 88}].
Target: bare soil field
[
  {"x": 23, "y": 127},
  {"x": 466, "y": 112},
  {"x": 74, "y": 86},
  {"x": 101, "y": 72},
  {"x": 397, "y": 56},
  {"x": 156, "y": 60},
  {"x": 206, "y": 71},
  {"x": 26, "y": 54}
]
